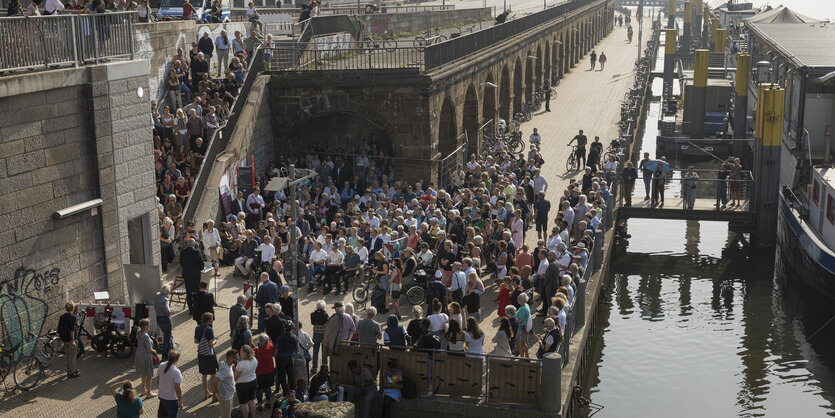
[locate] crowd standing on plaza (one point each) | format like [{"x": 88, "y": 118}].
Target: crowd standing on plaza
[{"x": 359, "y": 219}]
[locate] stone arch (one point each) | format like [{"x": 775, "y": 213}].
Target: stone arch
[
  {"x": 530, "y": 62},
  {"x": 518, "y": 91},
  {"x": 548, "y": 63},
  {"x": 538, "y": 69},
  {"x": 504, "y": 94},
  {"x": 447, "y": 129},
  {"x": 488, "y": 100},
  {"x": 470, "y": 119}
]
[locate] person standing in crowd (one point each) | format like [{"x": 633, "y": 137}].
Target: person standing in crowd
[
  {"x": 246, "y": 381},
  {"x": 318, "y": 318},
  {"x": 211, "y": 245},
  {"x": 722, "y": 185},
  {"x": 734, "y": 180},
  {"x": 647, "y": 174},
  {"x": 602, "y": 60},
  {"x": 223, "y": 384},
  {"x": 204, "y": 302},
  {"x": 285, "y": 348},
  {"x": 207, "y": 47},
  {"x": 222, "y": 45},
  {"x": 689, "y": 188},
  {"x": 162, "y": 308},
  {"x": 144, "y": 357},
  {"x": 628, "y": 177},
  {"x": 68, "y": 333},
  {"x": 169, "y": 381},
  {"x": 547, "y": 89},
  {"x": 593, "y": 59},
  {"x": 236, "y": 311},
  {"x": 205, "y": 339},
  {"x": 368, "y": 329},
  {"x": 265, "y": 370},
  {"x": 267, "y": 294},
  {"x": 192, "y": 263},
  {"x": 659, "y": 180},
  {"x": 128, "y": 403}
]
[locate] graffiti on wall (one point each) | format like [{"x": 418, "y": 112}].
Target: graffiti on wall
[{"x": 23, "y": 307}]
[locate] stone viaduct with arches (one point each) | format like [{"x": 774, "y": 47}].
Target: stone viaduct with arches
[{"x": 425, "y": 116}]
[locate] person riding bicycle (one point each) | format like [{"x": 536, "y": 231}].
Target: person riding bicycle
[
  {"x": 535, "y": 137},
  {"x": 582, "y": 140}
]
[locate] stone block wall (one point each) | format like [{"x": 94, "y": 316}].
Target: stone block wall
[
  {"x": 416, "y": 22},
  {"x": 67, "y": 137}
]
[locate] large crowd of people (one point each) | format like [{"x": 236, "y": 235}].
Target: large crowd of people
[{"x": 360, "y": 220}]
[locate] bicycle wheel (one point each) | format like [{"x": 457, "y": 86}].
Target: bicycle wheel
[
  {"x": 569, "y": 163},
  {"x": 516, "y": 146},
  {"x": 416, "y": 295},
  {"x": 360, "y": 293},
  {"x": 389, "y": 45},
  {"x": 99, "y": 343},
  {"x": 122, "y": 347},
  {"x": 369, "y": 44},
  {"x": 419, "y": 43},
  {"x": 441, "y": 38},
  {"x": 27, "y": 373}
]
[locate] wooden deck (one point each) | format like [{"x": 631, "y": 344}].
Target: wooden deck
[{"x": 703, "y": 210}]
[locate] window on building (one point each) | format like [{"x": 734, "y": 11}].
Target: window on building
[
  {"x": 138, "y": 245},
  {"x": 830, "y": 209}
]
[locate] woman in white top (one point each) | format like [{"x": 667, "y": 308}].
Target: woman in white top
[
  {"x": 438, "y": 322},
  {"x": 502, "y": 339},
  {"x": 554, "y": 239},
  {"x": 169, "y": 379},
  {"x": 246, "y": 381},
  {"x": 474, "y": 338},
  {"x": 455, "y": 338}
]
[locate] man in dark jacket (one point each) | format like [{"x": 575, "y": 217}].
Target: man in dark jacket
[
  {"x": 630, "y": 174},
  {"x": 236, "y": 311},
  {"x": 552, "y": 280},
  {"x": 267, "y": 294},
  {"x": 67, "y": 325},
  {"x": 207, "y": 47},
  {"x": 199, "y": 66},
  {"x": 203, "y": 302},
  {"x": 192, "y": 262}
]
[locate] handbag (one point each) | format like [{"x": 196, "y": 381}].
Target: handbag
[
  {"x": 529, "y": 323},
  {"x": 156, "y": 360}
]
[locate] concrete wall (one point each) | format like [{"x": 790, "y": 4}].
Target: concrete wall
[
  {"x": 416, "y": 22},
  {"x": 57, "y": 149},
  {"x": 251, "y": 137}
]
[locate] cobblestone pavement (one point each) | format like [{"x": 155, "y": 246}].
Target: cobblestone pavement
[{"x": 586, "y": 100}]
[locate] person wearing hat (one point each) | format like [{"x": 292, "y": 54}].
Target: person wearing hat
[{"x": 267, "y": 293}]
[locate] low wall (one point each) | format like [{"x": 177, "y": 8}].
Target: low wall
[{"x": 396, "y": 23}]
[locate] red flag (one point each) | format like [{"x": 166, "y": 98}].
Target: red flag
[{"x": 638, "y": 14}]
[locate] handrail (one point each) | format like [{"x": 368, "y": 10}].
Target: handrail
[
  {"x": 454, "y": 49},
  {"x": 220, "y": 138},
  {"x": 42, "y": 42}
]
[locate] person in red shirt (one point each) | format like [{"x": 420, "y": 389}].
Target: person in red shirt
[
  {"x": 265, "y": 370},
  {"x": 188, "y": 10}
]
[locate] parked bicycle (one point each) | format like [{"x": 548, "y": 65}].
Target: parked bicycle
[
  {"x": 31, "y": 369},
  {"x": 427, "y": 38},
  {"x": 110, "y": 338},
  {"x": 461, "y": 30},
  {"x": 386, "y": 41},
  {"x": 364, "y": 288},
  {"x": 418, "y": 287}
]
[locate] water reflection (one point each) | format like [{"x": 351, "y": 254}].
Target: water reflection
[{"x": 709, "y": 328}]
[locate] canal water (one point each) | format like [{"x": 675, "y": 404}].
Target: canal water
[{"x": 698, "y": 323}]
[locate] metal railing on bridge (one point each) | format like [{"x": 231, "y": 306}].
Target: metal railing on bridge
[
  {"x": 348, "y": 55},
  {"x": 709, "y": 194},
  {"x": 65, "y": 39},
  {"x": 453, "y": 49}
]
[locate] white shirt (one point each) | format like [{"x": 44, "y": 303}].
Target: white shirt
[
  {"x": 543, "y": 266},
  {"x": 211, "y": 239},
  {"x": 318, "y": 255},
  {"x": 565, "y": 260},
  {"x": 304, "y": 340},
  {"x": 267, "y": 252},
  {"x": 438, "y": 322},
  {"x": 553, "y": 242},
  {"x": 53, "y": 6},
  {"x": 227, "y": 382},
  {"x": 247, "y": 370},
  {"x": 254, "y": 199},
  {"x": 535, "y": 138},
  {"x": 459, "y": 281},
  {"x": 335, "y": 258},
  {"x": 363, "y": 253},
  {"x": 568, "y": 216},
  {"x": 167, "y": 380}
]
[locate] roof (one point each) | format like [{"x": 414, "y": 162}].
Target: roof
[
  {"x": 827, "y": 174},
  {"x": 804, "y": 44},
  {"x": 782, "y": 14}
]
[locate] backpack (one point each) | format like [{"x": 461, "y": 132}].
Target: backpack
[
  {"x": 409, "y": 390},
  {"x": 238, "y": 340}
]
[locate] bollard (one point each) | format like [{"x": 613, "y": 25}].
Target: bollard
[
  {"x": 550, "y": 397},
  {"x": 580, "y": 304}
]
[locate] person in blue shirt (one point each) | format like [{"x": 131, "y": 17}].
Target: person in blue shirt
[{"x": 128, "y": 405}]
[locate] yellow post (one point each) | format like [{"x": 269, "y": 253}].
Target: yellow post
[
  {"x": 767, "y": 163},
  {"x": 743, "y": 71},
  {"x": 772, "y": 114},
  {"x": 670, "y": 42},
  {"x": 671, "y": 13},
  {"x": 688, "y": 11},
  {"x": 719, "y": 43},
  {"x": 700, "y": 68}
]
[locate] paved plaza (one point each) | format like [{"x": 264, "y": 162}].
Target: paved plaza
[{"x": 587, "y": 100}]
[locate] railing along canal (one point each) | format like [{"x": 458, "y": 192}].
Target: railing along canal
[
  {"x": 349, "y": 55},
  {"x": 65, "y": 39}
]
